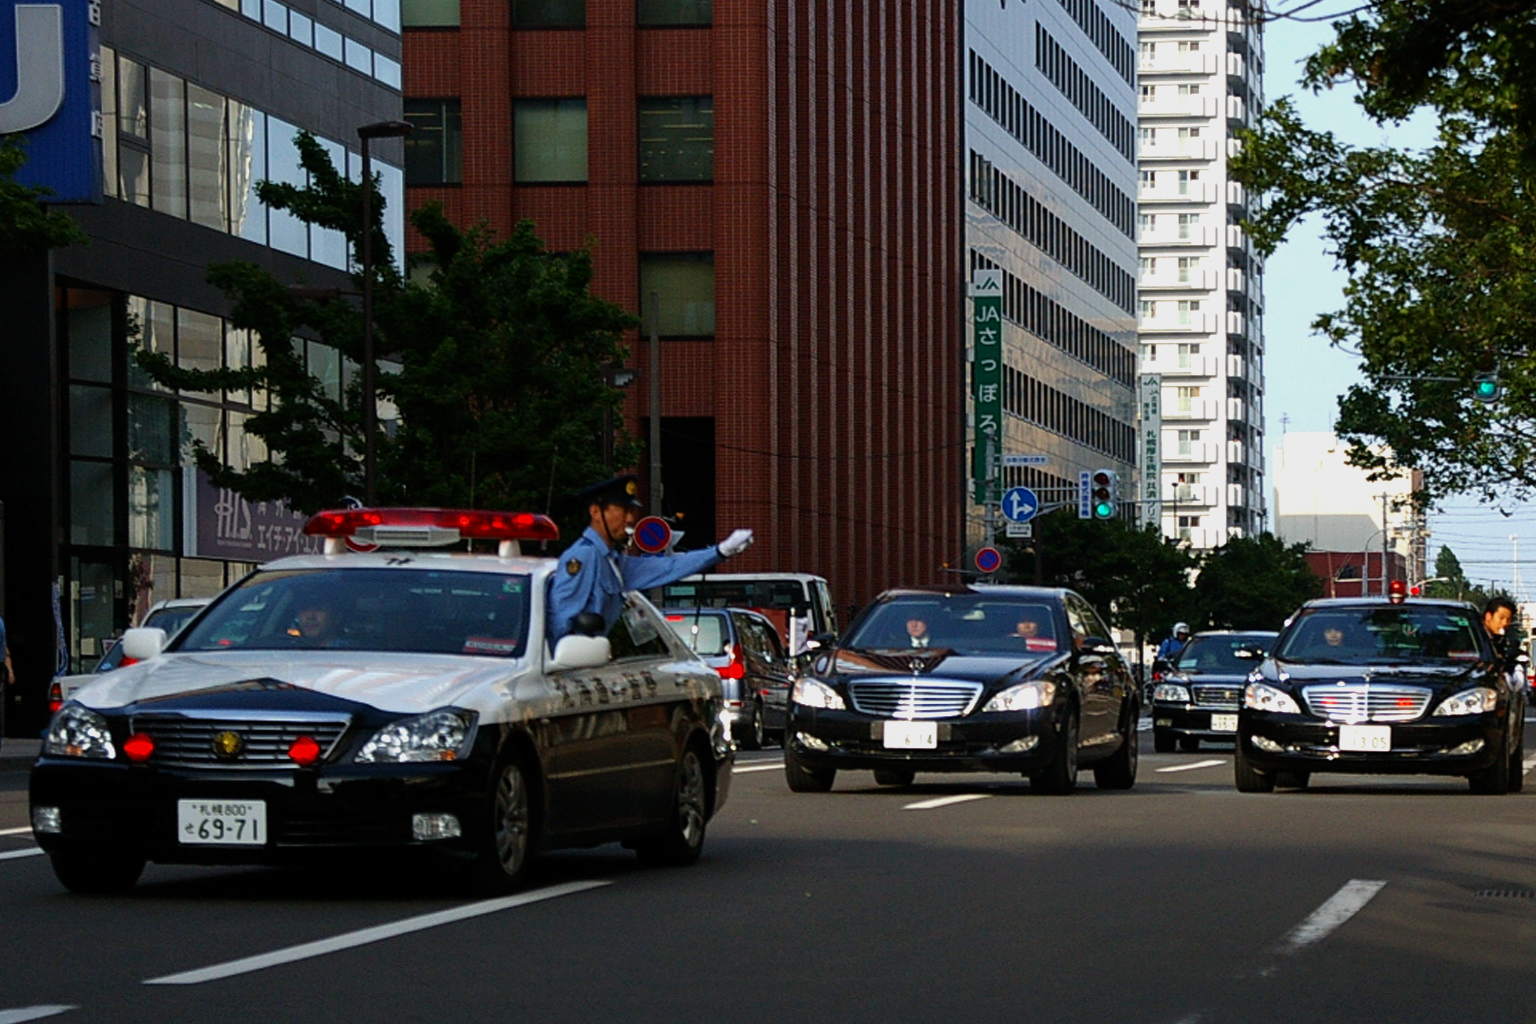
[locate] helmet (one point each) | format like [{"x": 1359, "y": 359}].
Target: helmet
[{"x": 1181, "y": 629}]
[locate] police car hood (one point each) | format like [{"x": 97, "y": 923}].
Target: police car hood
[{"x": 397, "y": 683}]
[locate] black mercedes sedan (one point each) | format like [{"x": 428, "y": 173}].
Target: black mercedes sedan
[
  {"x": 1381, "y": 686},
  {"x": 967, "y": 679},
  {"x": 1196, "y": 697}
]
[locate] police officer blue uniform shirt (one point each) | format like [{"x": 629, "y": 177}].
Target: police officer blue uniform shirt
[{"x": 595, "y": 571}]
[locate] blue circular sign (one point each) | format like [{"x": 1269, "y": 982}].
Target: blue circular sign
[
  {"x": 1020, "y": 504},
  {"x": 652, "y": 535},
  {"x": 989, "y": 559}
]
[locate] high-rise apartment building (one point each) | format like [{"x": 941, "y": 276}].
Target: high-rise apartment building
[
  {"x": 1050, "y": 141},
  {"x": 1200, "y": 69}
]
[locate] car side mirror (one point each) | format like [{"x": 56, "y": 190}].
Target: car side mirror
[
  {"x": 588, "y": 624},
  {"x": 577, "y": 651},
  {"x": 143, "y": 643}
]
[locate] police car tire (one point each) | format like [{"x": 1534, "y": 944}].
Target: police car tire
[
  {"x": 683, "y": 839},
  {"x": 96, "y": 872},
  {"x": 508, "y": 837}
]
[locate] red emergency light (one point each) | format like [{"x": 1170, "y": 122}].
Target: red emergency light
[{"x": 1396, "y": 591}]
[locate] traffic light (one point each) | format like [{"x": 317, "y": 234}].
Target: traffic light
[
  {"x": 1486, "y": 387},
  {"x": 1106, "y": 499}
]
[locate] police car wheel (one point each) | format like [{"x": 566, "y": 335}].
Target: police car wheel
[
  {"x": 683, "y": 840},
  {"x": 97, "y": 872},
  {"x": 508, "y": 836}
]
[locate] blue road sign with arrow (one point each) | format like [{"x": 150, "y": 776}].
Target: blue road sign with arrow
[{"x": 1020, "y": 504}]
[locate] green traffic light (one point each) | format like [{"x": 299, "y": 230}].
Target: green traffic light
[
  {"x": 1487, "y": 389},
  {"x": 1103, "y": 510}
]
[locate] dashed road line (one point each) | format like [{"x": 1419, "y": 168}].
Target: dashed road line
[
  {"x": 1340, "y": 907},
  {"x": 1528, "y": 763},
  {"x": 15, "y": 831},
  {"x": 740, "y": 768},
  {"x": 17, "y": 854},
  {"x": 26, "y": 1013},
  {"x": 945, "y": 801},
  {"x": 1192, "y": 766},
  {"x": 379, "y": 933}
]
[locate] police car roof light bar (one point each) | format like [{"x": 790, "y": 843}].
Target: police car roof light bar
[{"x": 429, "y": 527}]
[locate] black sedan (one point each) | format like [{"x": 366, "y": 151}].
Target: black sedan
[
  {"x": 967, "y": 679},
  {"x": 1381, "y": 686},
  {"x": 1197, "y": 696}
]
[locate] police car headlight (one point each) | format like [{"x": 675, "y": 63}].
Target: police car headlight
[
  {"x": 814, "y": 694},
  {"x": 1267, "y": 698},
  {"x": 79, "y": 732},
  {"x": 438, "y": 736},
  {"x": 1027, "y": 697},
  {"x": 1171, "y": 694},
  {"x": 1469, "y": 702}
]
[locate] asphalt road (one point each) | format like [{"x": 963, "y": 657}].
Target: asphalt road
[{"x": 963, "y": 898}]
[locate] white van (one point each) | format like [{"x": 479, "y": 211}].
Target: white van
[{"x": 783, "y": 597}]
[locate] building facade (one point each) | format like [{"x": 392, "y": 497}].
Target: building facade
[
  {"x": 1201, "y": 297},
  {"x": 196, "y": 101},
  {"x": 785, "y": 180},
  {"x": 1050, "y": 148}
]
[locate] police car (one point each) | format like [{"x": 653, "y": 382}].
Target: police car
[{"x": 402, "y": 698}]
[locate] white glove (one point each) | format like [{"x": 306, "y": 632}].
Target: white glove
[{"x": 735, "y": 544}]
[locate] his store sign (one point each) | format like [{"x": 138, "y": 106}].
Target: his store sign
[
  {"x": 987, "y": 379},
  {"x": 50, "y": 93}
]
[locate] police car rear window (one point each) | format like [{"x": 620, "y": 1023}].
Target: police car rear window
[{"x": 389, "y": 610}]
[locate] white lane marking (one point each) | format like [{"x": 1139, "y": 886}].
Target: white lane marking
[
  {"x": 15, "y": 831},
  {"x": 1340, "y": 907},
  {"x": 1528, "y": 763},
  {"x": 14, "y": 854},
  {"x": 945, "y": 801},
  {"x": 1192, "y": 766},
  {"x": 738, "y": 769},
  {"x": 363, "y": 937},
  {"x": 32, "y": 1013}
]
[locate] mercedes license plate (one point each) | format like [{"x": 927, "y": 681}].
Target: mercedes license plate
[
  {"x": 1370, "y": 739},
  {"x": 911, "y": 735},
  {"x": 221, "y": 822},
  {"x": 1224, "y": 723}
]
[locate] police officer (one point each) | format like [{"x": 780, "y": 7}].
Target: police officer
[{"x": 595, "y": 572}]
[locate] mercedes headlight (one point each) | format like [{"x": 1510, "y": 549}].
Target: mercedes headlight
[
  {"x": 1025, "y": 697},
  {"x": 1170, "y": 693},
  {"x": 1469, "y": 702},
  {"x": 79, "y": 732},
  {"x": 813, "y": 693},
  {"x": 1266, "y": 698},
  {"x": 438, "y": 736}
]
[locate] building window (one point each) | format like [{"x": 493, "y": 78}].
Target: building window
[
  {"x": 1146, "y": 308},
  {"x": 1187, "y": 441},
  {"x": 684, "y": 286},
  {"x": 434, "y": 150},
  {"x": 1189, "y": 46},
  {"x": 677, "y": 138},
  {"x": 1187, "y": 310},
  {"x": 1188, "y": 265},
  {"x": 1188, "y": 224},
  {"x": 549, "y": 13},
  {"x": 550, "y": 140},
  {"x": 429, "y": 13},
  {"x": 1185, "y": 399},
  {"x": 168, "y": 143},
  {"x": 652, "y": 13},
  {"x": 1187, "y": 356}
]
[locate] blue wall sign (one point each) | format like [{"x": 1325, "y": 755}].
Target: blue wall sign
[{"x": 50, "y": 93}]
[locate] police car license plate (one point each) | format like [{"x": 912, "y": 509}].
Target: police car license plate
[
  {"x": 221, "y": 822},
  {"x": 1371, "y": 739},
  {"x": 911, "y": 735},
  {"x": 1223, "y": 723}
]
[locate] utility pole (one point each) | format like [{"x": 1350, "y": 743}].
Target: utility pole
[
  {"x": 1386, "y": 537},
  {"x": 655, "y": 508}
]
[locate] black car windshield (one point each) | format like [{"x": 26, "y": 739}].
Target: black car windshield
[
  {"x": 1383, "y": 634},
  {"x": 1220, "y": 653},
  {"x": 967, "y": 623},
  {"x": 405, "y": 610}
]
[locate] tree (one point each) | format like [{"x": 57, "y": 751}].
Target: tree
[
  {"x": 25, "y": 224},
  {"x": 1442, "y": 277},
  {"x": 497, "y": 366},
  {"x": 1254, "y": 583},
  {"x": 1450, "y": 581}
]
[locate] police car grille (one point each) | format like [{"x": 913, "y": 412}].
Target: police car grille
[
  {"x": 264, "y": 742},
  {"x": 1217, "y": 696},
  {"x": 1367, "y": 702},
  {"x": 909, "y": 700}
]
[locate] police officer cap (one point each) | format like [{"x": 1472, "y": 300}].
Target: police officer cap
[{"x": 621, "y": 490}]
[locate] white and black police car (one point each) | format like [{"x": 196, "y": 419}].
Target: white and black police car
[{"x": 396, "y": 699}]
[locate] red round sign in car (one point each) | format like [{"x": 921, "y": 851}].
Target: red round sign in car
[
  {"x": 989, "y": 559},
  {"x": 652, "y": 535}
]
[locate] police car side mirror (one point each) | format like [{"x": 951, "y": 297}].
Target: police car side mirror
[
  {"x": 588, "y": 624},
  {"x": 143, "y": 643},
  {"x": 575, "y": 651}
]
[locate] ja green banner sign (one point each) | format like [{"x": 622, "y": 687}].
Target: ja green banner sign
[{"x": 986, "y": 378}]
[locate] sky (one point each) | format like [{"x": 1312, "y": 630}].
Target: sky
[{"x": 1304, "y": 375}]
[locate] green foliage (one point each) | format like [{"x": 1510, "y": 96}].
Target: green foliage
[
  {"x": 497, "y": 367},
  {"x": 1254, "y": 583},
  {"x": 25, "y": 224},
  {"x": 1442, "y": 273}
]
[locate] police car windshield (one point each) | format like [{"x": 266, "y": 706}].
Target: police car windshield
[
  {"x": 393, "y": 610},
  {"x": 979, "y": 624},
  {"x": 1384, "y": 634}
]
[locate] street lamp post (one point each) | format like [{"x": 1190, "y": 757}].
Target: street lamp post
[{"x": 366, "y": 133}]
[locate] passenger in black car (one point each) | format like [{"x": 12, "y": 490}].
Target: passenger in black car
[{"x": 917, "y": 632}]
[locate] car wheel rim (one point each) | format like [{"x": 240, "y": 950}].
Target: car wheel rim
[
  {"x": 690, "y": 800},
  {"x": 511, "y": 820},
  {"x": 757, "y": 726},
  {"x": 1071, "y": 742},
  {"x": 1135, "y": 748}
]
